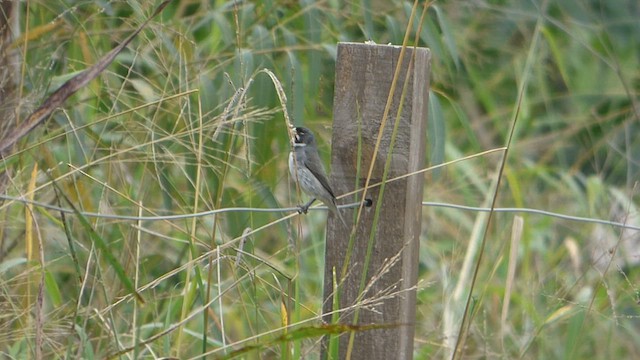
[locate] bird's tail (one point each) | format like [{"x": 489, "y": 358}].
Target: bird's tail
[{"x": 334, "y": 209}]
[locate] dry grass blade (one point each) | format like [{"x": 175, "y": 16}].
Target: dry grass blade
[
  {"x": 516, "y": 237},
  {"x": 67, "y": 89}
]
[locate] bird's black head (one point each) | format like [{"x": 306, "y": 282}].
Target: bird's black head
[{"x": 304, "y": 136}]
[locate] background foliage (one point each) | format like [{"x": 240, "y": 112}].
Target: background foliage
[{"x": 166, "y": 130}]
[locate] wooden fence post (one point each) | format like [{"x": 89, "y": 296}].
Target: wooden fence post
[{"x": 364, "y": 76}]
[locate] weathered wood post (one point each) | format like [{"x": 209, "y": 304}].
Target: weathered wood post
[{"x": 364, "y": 77}]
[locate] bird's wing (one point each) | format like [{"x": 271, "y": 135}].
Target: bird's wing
[{"x": 318, "y": 171}]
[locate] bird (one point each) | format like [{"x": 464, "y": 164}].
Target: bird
[{"x": 307, "y": 170}]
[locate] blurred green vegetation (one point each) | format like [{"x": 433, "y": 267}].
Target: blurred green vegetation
[{"x": 164, "y": 131}]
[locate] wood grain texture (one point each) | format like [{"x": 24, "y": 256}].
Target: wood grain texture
[{"x": 364, "y": 75}]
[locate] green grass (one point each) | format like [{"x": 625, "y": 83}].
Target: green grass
[{"x": 167, "y": 129}]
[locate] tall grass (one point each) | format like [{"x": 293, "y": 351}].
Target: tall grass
[{"x": 185, "y": 123}]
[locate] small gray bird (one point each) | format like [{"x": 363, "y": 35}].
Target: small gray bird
[{"x": 306, "y": 168}]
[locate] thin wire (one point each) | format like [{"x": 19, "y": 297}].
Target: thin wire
[
  {"x": 323, "y": 208},
  {"x": 168, "y": 217},
  {"x": 534, "y": 211}
]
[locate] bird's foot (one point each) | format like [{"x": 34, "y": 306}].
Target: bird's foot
[{"x": 303, "y": 209}]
